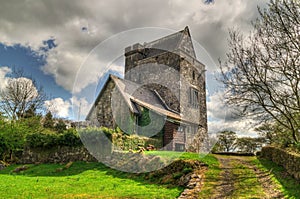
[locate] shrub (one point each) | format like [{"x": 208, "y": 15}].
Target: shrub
[{"x": 48, "y": 140}]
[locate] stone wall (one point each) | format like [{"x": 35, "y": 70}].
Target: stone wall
[
  {"x": 55, "y": 155},
  {"x": 102, "y": 115},
  {"x": 290, "y": 161}
]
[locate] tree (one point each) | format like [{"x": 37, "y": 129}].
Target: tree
[
  {"x": 261, "y": 74},
  {"x": 226, "y": 141},
  {"x": 249, "y": 144},
  {"x": 48, "y": 121},
  {"x": 273, "y": 133},
  {"x": 61, "y": 126},
  {"x": 20, "y": 97}
]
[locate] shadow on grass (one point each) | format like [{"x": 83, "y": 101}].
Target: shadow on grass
[
  {"x": 290, "y": 186},
  {"x": 54, "y": 170},
  {"x": 77, "y": 168}
]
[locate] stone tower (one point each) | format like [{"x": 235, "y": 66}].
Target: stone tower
[
  {"x": 169, "y": 67},
  {"x": 164, "y": 79}
]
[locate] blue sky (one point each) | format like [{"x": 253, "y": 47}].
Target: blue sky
[
  {"x": 18, "y": 57},
  {"x": 53, "y": 41}
]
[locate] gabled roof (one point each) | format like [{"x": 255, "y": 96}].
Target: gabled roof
[
  {"x": 136, "y": 94},
  {"x": 173, "y": 42}
]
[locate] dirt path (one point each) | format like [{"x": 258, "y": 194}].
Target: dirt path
[
  {"x": 240, "y": 178},
  {"x": 225, "y": 187}
]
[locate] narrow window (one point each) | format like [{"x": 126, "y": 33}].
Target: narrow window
[
  {"x": 193, "y": 75},
  {"x": 194, "y": 97},
  {"x": 180, "y": 129}
]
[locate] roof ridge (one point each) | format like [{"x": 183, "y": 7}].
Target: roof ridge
[{"x": 165, "y": 37}]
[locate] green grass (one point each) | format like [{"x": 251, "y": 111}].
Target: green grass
[
  {"x": 208, "y": 159},
  {"x": 211, "y": 176},
  {"x": 81, "y": 180},
  {"x": 246, "y": 184},
  {"x": 289, "y": 186},
  {"x": 88, "y": 180}
]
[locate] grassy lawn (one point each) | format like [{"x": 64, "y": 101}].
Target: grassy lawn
[
  {"x": 81, "y": 180},
  {"x": 208, "y": 159},
  {"x": 85, "y": 180}
]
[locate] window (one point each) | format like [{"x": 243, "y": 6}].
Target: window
[
  {"x": 194, "y": 76},
  {"x": 180, "y": 129},
  {"x": 194, "y": 97},
  {"x": 179, "y": 147}
]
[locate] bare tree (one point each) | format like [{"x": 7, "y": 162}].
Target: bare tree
[
  {"x": 19, "y": 95},
  {"x": 262, "y": 71}
]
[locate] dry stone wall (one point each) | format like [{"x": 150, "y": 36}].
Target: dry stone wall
[
  {"x": 55, "y": 155},
  {"x": 290, "y": 161}
]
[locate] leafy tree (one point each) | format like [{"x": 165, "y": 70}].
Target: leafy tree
[
  {"x": 226, "y": 141},
  {"x": 261, "y": 74},
  {"x": 275, "y": 134},
  {"x": 249, "y": 144},
  {"x": 20, "y": 96},
  {"x": 48, "y": 121},
  {"x": 60, "y": 127}
]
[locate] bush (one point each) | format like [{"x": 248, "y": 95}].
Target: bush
[
  {"x": 48, "y": 140},
  {"x": 120, "y": 140},
  {"x": 11, "y": 140}
]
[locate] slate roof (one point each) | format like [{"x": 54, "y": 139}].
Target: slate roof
[
  {"x": 170, "y": 42},
  {"x": 134, "y": 93}
]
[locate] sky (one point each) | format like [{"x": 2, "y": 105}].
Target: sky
[{"x": 69, "y": 46}]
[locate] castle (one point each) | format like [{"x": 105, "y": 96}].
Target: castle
[{"x": 162, "y": 95}]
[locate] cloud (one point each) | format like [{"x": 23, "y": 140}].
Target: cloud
[
  {"x": 58, "y": 107},
  {"x": 243, "y": 128},
  {"x": 217, "y": 109},
  {"x": 222, "y": 117},
  {"x": 4, "y": 70},
  {"x": 78, "y": 26},
  {"x": 81, "y": 107}
]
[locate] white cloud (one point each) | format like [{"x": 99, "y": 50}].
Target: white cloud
[
  {"x": 243, "y": 127},
  {"x": 4, "y": 70},
  {"x": 222, "y": 117},
  {"x": 81, "y": 107},
  {"x": 217, "y": 109},
  {"x": 58, "y": 107},
  {"x": 78, "y": 26}
]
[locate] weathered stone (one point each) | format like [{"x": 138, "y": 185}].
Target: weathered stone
[
  {"x": 57, "y": 155},
  {"x": 184, "y": 180},
  {"x": 194, "y": 176},
  {"x": 21, "y": 168},
  {"x": 191, "y": 185},
  {"x": 169, "y": 77},
  {"x": 290, "y": 161}
]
